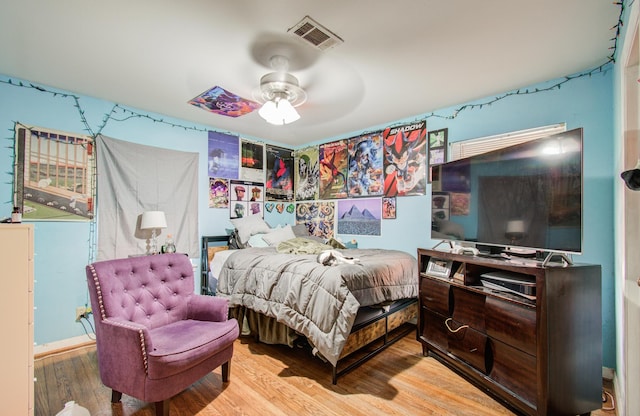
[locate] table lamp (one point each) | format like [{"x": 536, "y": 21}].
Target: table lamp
[
  {"x": 153, "y": 220},
  {"x": 515, "y": 230}
]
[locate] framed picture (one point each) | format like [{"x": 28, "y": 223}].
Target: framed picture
[
  {"x": 439, "y": 268},
  {"x": 440, "y": 206}
]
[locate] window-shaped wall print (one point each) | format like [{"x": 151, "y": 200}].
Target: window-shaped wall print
[{"x": 54, "y": 175}]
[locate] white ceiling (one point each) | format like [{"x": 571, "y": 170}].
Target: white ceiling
[{"x": 399, "y": 58}]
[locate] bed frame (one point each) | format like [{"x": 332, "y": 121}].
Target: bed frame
[{"x": 374, "y": 329}]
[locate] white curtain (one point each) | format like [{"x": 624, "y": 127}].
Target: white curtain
[{"x": 132, "y": 179}]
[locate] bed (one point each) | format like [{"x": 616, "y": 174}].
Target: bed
[{"x": 284, "y": 295}]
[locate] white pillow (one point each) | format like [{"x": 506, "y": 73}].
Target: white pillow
[
  {"x": 248, "y": 226},
  {"x": 256, "y": 240},
  {"x": 279, "y": 235}
]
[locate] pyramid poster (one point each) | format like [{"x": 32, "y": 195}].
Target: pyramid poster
[{"x": 360, "y": 216}]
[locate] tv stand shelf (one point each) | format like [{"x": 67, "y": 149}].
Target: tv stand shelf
[{"x": 539, "y": 355}]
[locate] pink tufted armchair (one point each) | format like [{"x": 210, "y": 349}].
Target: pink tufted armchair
[{"x": 155, "y": 336}]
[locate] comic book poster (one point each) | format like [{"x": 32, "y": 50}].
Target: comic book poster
[
  {"x": 220, "y": 101},
  {"x": 365, "y": 165},
  {"x": 334, "y": 159},
  {"x": 218, "y": 193},
  {"x": 246, "y": 199},
  {"x": 224, "y": 157},
  {"x": 360, "y": 216},
  {"x": 319, "y": 217},
  {"x": 307, "y": 174},
  {"x": 279, "y": 173},
  {"x": 251, "y": 161},
  {"x": 405, "y": 159}
]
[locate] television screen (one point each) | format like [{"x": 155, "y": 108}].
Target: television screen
[{"x": 527, "y": 196}]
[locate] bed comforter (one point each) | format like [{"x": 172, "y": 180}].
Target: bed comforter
[{"x": 320, "y": 302}]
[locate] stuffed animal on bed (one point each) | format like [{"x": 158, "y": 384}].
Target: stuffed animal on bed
[{"x": 334, "y": 257}]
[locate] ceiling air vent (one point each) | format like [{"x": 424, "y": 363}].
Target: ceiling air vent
[{"x": 316, "y": 34}]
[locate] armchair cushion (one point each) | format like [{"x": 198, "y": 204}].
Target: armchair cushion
[{"x": 174, "y": 353}]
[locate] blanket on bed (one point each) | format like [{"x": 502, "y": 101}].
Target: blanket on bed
[{"x": 318, "y": 301}]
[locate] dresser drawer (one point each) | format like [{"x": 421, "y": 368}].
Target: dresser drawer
[
  {"x": 514, "y": 370},
  {"x": 511, "y": 323},
  {"x": 433, "y": 329},
  {"x": 468, "y": 345},
  {"x": 435, "y": 295},
  {"x": 468, "y": 308}
]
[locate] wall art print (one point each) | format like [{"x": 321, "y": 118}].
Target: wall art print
[
  {"x": 53, "y": 175},
  {"x": 246, "y": 199},
  {"x": 251, "y": 161},
  {"x": 389, "y": 207},
  {"x": 279, "y": 184},
  {"x": 307, "y": 174},
  {"x": 438, "y": 140},
  {"x": 360, "y": 216},
  {"x": 405, "y": 160},
  {"x": 365, "y": 165},
  {"x": 218, "y": 193},
  {"x": 220, "y": 101},
  {"x": 334, "y": 160},
  {"x": 319, "y": 217},
  {"x": 224, "y": 157}
]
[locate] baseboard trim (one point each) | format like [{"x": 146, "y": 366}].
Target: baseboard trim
[{"x": 57, "y": 347}]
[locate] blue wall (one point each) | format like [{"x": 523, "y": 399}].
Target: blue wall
[{"x": 63, "y": 249}]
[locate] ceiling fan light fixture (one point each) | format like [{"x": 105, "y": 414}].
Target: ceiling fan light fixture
[{"x": 278, "y": 111}]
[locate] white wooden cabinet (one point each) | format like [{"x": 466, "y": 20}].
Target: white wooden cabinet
[{"x": 16, "y": 309}]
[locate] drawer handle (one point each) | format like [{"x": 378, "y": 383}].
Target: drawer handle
[{"x": 454, "y": 330}]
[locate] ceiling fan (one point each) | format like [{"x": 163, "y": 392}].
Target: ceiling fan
[{"x": 280, "y": 93}]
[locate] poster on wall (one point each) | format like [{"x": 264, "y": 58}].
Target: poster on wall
[
  {"x": 334, "y": 159},
  {"x": 251, "y": 161},
  {"x": 389, "y": 207},
  {"x": 440, "y": 206},
  {"x": 224, "y": 156},
  {"x": 246, "y": 199},
  {"x": 307, "y": 174},
  {"x": 365, "y": 165},
  {"x": 279, "y": 184},
  {"x": 319, "y": 217},
  {"x": 218, "y": 193},
  {"x": 53, "y": 175},
  {"x": 405, "y": 159},
  {"x": 437, "y": 149},
  {"x": 220, "y": 101},
  {"x": 360, "y": 216}
]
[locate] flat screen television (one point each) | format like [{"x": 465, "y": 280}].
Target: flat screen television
[{"x": 527, "y": 196}]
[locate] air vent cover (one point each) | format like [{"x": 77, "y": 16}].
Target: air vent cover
[{"x": 315, "y": 34}]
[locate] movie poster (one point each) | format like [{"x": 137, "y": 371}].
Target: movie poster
[
  {"x": 405, "y": 159},
  {"x": 334, "y": 159},
  {"x": 365, "y": 165},
  {"x": 218, "y": 193},
  {"x": 251, "y": 161},
  {"x": 307, "y": 174},
  {"x": 279, "y": 173},
  {"x": 224, "y": 157},
  {"x": 319, "y": 217},
  {"x": 220, "y": 101}
]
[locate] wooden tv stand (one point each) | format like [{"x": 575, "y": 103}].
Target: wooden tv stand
[{"x": 538, "y": 356}]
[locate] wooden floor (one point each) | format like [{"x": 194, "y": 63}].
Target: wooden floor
[{"x": 278, "y": 380}]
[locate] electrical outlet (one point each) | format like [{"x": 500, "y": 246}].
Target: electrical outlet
[{"x": 80, "y": 312}]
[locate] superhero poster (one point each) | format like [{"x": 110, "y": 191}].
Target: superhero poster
[
  {"x": 405, "y": 159},
  {"x": 365, "y": 165},
  {"x": 319, "y": 217},
  {"x": 307, "y": 174},
  {"x": 334, "y": 160},
  {"x": 279, "y": 186}
]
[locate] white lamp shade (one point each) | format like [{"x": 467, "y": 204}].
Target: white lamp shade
[
  {"x": 153, "y": 219},
  {"x": 515, "y": 226},
  {"x": 278, "y": 112}
]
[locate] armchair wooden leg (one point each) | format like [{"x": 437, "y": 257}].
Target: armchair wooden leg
[
  {"x": 115, "y": 396},
  {"x": 162, "y": 408},
  {"x": 226, "y": 368}
]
